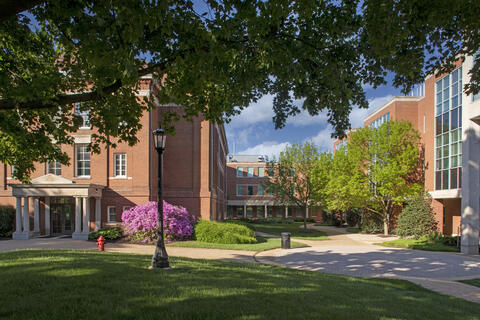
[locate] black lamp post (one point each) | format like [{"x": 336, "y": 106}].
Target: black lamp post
[{"x": 160, "y": 257}]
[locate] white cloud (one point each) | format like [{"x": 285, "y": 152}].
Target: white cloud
[
  {"x": 358, "y": 115},
  {"x": 260, "y": 111},
  {"x": 269, "y": 148},
  {"x": 323, "y": 139},
  {"x": 378, "y": 101}
]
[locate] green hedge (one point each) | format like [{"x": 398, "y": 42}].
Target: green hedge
[
  {"x": 223, "y": 232},
  {"x": 107, "y": 233},
  {"x": 7, "y": 216}
]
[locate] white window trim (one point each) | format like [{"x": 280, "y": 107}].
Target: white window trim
[
  {"x": 239, "y": 185},
  {"x": 115, "y": 166},
  {"x": 108, "y": 214},
  {"x": 83, "y": 114},
  {"x": 258, "y": 170},
  {"x": 76, "y": 164}
]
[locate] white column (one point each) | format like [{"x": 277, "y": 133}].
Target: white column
[
  {"x": 47, "y": 216},
  {"x": 265, "y": 211},
  {"x": 78, "y": 217},
  {"x": 98, "y": 214},
  {"x": 26, "y": 217},
  {"x": 18, "y": 221},
  {"x": 244, "y": 210},
  {"x": 19, "y": 234},
  {"x": 286, "y": 211},
  {"x": 36, "y": 216},
  {"x": 86, "y": 215}
]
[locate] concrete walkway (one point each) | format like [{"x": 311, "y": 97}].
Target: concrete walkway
[
  {"x": 68, "y": 243},
  {"x": 354, "y": 254}
]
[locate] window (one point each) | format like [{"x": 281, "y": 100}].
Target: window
[
  {"x": 260, "y": 191},
  {"x": 229, "y": 211},
  {"x": 120, "y": 163},
  {"x": 269, "y": 212},
  {"x": 261, "y": 172},
  {"x": 239, "y": 171},
  {"x": 82, "y": 160},
  {"x": 250, "y": 190},
  {"x": 448, "y": 131},
  {"x": 239, "y": 190},
  {"x": 289, "y": 211},
  {"x": 112, "y": 214},
  {"x": 54, "y": 167},
  {"x": 380, "y": 120},
  {"x": 84, "y": 114},
  {"x": 260, "y": 212},
  {"x": 249, "y": 211},
  {"x": 250, "y": 172},
  {"x": 12, "y": 171}
]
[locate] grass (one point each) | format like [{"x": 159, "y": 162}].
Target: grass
[
  {"x": 419, "y": 245},
  {"x": 472, "y": 282},
  {"x": 293, "y": 228},
  {"x": 262, "y": 245},
  {"x": 61, "y": 284},
  {"x": 354, "y": 230}
]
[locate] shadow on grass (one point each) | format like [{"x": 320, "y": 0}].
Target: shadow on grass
[{"x": 92, "y": 285}]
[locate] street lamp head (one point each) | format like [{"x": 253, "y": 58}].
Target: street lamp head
[{"x": 159, "y": 139}]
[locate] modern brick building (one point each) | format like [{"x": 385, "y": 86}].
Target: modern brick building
[
  {"x": 247, "y": 197},
  {"x": 448, "y": 121},
  {"x": 95, "y": 189}
]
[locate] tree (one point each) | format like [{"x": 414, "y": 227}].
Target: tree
[
  {"x": 375, "y": 171},
  {"x": 417, "y": 217},
  {"x": 292, "y": 182},
  {"x": 213, "y": 58}
]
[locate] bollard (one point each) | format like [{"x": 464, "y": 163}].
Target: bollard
[{"x": 285, "y": 240}]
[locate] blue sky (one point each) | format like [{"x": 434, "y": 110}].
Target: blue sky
[{"x": 252, "y": 132}]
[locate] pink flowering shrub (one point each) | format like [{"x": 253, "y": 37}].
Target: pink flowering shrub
[{"x": 140, "y": 222}]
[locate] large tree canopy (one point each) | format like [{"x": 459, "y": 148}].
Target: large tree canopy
[{"x": 213, "y": 57}]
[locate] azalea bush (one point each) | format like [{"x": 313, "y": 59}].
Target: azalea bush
[{"x": 141, "y": 223}]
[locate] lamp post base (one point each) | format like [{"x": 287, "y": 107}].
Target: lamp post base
[{"x": 159, "y": 262}]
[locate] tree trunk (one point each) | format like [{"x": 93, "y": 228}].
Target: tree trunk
[
  {"x": 385, "y": 227},
  {"x": 305, "y": 218}
]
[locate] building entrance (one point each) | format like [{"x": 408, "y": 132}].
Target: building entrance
[{"x": 62, "y": 215}]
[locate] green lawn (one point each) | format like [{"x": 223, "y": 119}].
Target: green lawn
[
  {"x": 472, "y": 282},
  {"x": 262, "y": 245},
  {"x": 61, "y": 284},
  {"x": 418, "y": 245},
  {"x": 293, "y": 228},
  {"x": 354, "y": 230},
  {"x": 327, "y": 223}
]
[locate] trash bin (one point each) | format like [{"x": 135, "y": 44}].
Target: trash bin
[{"x": 285, "y": 240}]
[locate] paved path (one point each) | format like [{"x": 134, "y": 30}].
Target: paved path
[
  {"x": 66, "y": 243},
  {"x": 354, "y": 254}
]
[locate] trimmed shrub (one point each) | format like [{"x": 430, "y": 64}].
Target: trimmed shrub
[
  {"x": 372, "y": 224},
  {"x": 7, "y": 216},
  {"x": 107, "y": 233},
  {"x": 416, "y": 219},
  {"x": 141, "y": 222},
  {"x": 223, "y": 232}
]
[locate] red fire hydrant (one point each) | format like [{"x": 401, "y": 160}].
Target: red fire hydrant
[{"x": 101, "y": 243}]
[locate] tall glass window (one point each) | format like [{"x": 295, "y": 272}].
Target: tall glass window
[
  {"x": 250, "y": 172},
  {"x": 260, "y": 191},
  {"x": 82, "y": 160},
  {"x": 448, "y": 131},
  {"x": 239, "y": 190},
  {"x": 380, "y": 120}
]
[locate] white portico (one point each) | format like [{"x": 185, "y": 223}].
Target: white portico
[{"x": 65, "y": 207}]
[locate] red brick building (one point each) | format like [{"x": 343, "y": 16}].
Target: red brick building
[
  {"x": 247, "y": 197},
  {"x": 448, "y": 121},
  {"x": 95, "y": 189}
]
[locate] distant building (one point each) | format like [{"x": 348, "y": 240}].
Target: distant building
[{"x": 246, "y": 195}]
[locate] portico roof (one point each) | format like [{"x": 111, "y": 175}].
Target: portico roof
[{"x": 51, "y": 185}]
